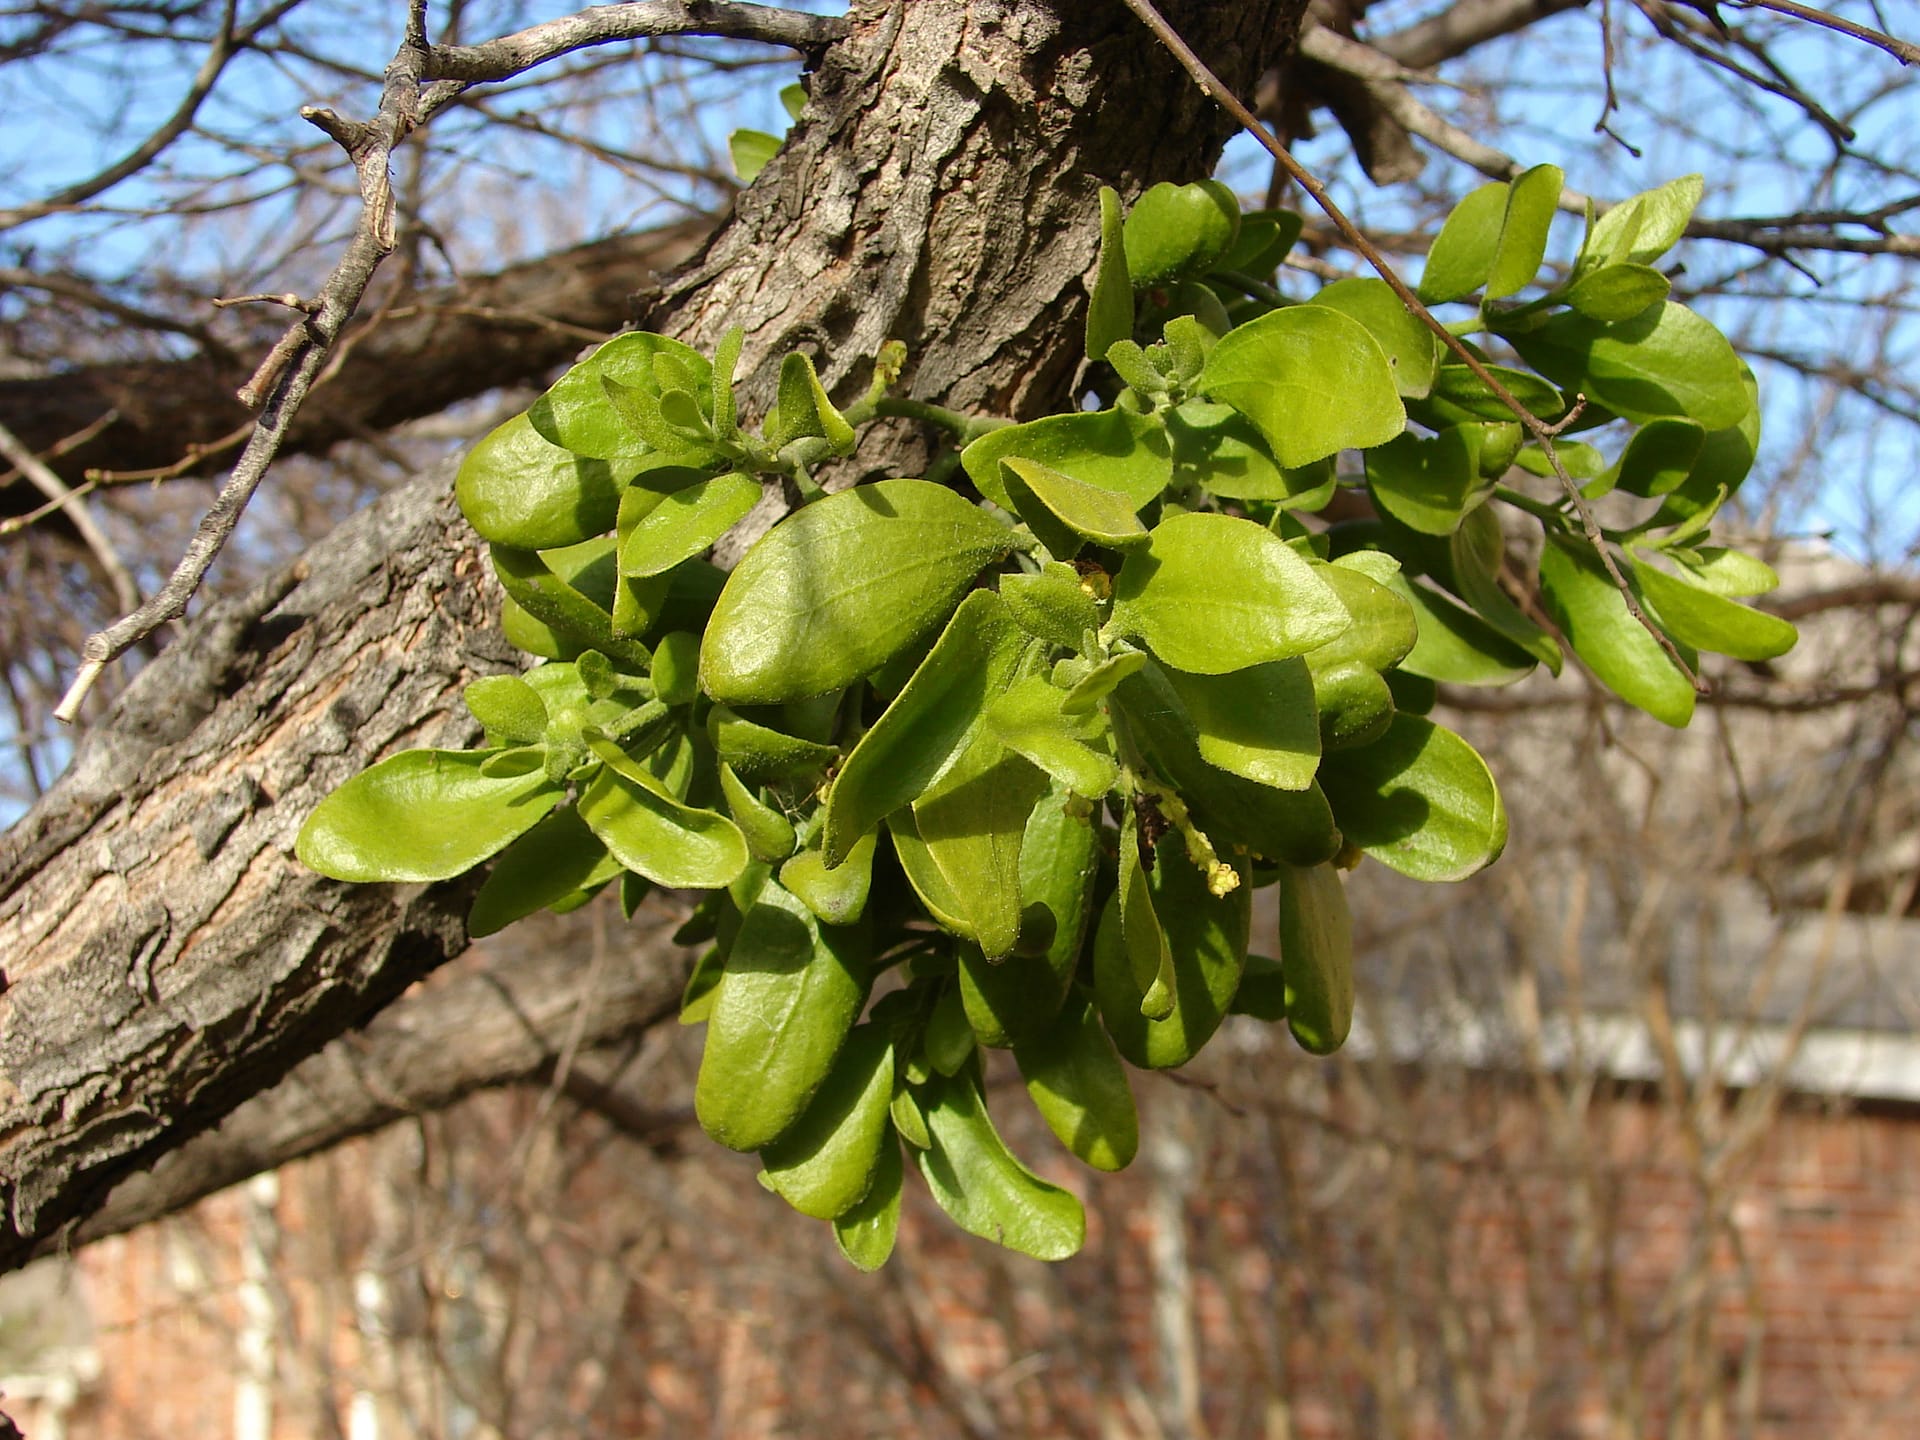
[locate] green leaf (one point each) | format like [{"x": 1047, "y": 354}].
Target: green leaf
[
  {"x": 982, "y": 1187},
  {"x": 1410, "y": 347},
  {"x": 557, "y": 858},
  {"x": 768, "y": 833},
  {"x": 1591, "y": 612},
  {"x": 517, "y": 488},
  {"x": 824, "y": 1165},
  {"x": 1257, "y": 723},
  {"x": 576, "y": 413},
  {"x": 726, "y": 359},
  {"x": 931, "y": 722},
  {"x": 1477, "y": 550},
  {"x": 1532, "y": 200},
  {"x": 1065, "y": 512},
  {"x": 865, "y": 1233},
  {"x": 971, "y": 823},
  {"x": 791, "y": 992},
  {"x": 1080, "y": 1087},
  {"x": 793, "y": 99},
  {"x": 803, "y": 409},
  {"x": 1657, "y": 459},
  {"x": 1262, "y": 993},
  {"x": 1291, "y": 825},
  {"x": 1420, "y": 801},
  {"x": 1030, "y": 720},
  {"x": 421, "y": 815},
  {"x": 1265, "y": 238},
  {"x": 1112, "y": 450},
  {"x": 1316, "y": 957},
  {"x": 835, "y": 590},
  {"x": 838, "y": 896},
  {"x": 1428, "y": 485},
  {"x": 1110, "y": 307},
  {"x": 1725, "y": 459},
  {"x": 1312, "y": 379},
  {"x": 1724, "y": 571},
  {"x": 928, "y": 881},
  {"x": 561, "y": 602},
  {"x": 1664, "y": 361},
  {"x": 1459, "y": 394},
  {"x": 1457, "y": 647},
  {"x": 508, "y": 707},
  {"x": 1207, "y": 937},
  {"x": 653, "y": 834},
  {"x": 948, "y": 1042},
  {"x": 1052, "y": 605},
  {"x": 1059, "y": 862},
  {"x": 1617, "y": 292},
  {"x": 1354, "y": 704},
  {"x": 1381, "y": 628},
  {"x": 1099, "y": 682},
  {"x": 1210, "y": 593},
  {"x": 1217, "y": 447},
  {"x": 759, "y": 752},
  {"x": 687, "y": 522},
  {"x": 1640, "y": 230},
  {"x": 750, "y": 151},
  {"x": 703, "y": 984},
  {"x": 1463, "y": 252},
  {"x": 1695, "y": 616},
  {"x": 1149, "y": 954},
  {"x": 1176, "y": 229}
]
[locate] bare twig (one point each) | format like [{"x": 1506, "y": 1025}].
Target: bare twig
[
  {"x": 1903, "y": 51},
  {"x": 1541, "y": 431},
  {"x": 61, "y": 496}
]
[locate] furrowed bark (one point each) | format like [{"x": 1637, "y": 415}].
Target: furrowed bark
[{"x": 166, "y": 958}]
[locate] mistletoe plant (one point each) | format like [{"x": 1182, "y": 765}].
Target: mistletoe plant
[{"x": 1091, "y": 710}]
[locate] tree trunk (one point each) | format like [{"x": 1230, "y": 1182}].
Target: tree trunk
[{"x": 165, "y": 956}]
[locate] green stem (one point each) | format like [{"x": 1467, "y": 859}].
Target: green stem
[
  {"x": 1252, "y": 288},
  {"x": 964, "y": 428}
]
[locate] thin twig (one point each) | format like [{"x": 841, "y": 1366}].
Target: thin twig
[
  {"x": 1903, "y": 51},
  {"x": 126, "y": 594},
  {"x": 1541, "y": 431}
]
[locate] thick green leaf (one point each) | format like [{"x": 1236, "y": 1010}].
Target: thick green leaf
[
  {"x": 768, "y": 833},
  {"x": 927, "y": 879},
  {"x": 803, "y": 409},
  {"x": 1459, "y": 395},
  {"x": 1030, "y": 720},
  {"x": 1080, "y": 1087},
  {"x": 1664, "y": 361},
  {"x": 554, "y": 587},
  {"x": 1114, "y": 450},
  {"x": 508, "y": 707},
  {"x": 421, "y": 815},
  {"x": 1312, "y": 379},
  {"x": 1059, "y": 861},
  {"x": 1724, "y": 571},
  {"x": 1462, "y": 254},
  {"x": 1657, "y": 459},
  {"x": 1639, "y": 230},
  {"x": 1258, "y": 723},
  {"x": 931, "y": 722},
  {"x": 1175, "y": 229},
  {"x": 1207, "y": 937},
  {"x": 948, "y": 1041},
  {"x": 750, "y": 151},
  {"x": 1110, "y": 307},
  {"x": 653, "y": 834},
  {"x": 1532, "y": 199},
  {"x": 517, "y": 488},
  {"x": 1696, "y": 616},
  {"x": 1618, "y": 292},
  {"x": 1382, "y": 628},
  {"x": 1316, "y": 957},
  {"x": 1149, "y": 955},
  {"x": 865, "y": 1233},
  {"x": 1591, "y": 612},
  {"x": 971, "y": 822},
  {"x": 1210, "y": 593},
  {"x": 838, "y": 896},
  {"x": 1477, "y": 550},
  {"x": 1411, "y": 348},
  {"x": 558, "y": 858},
  {"x": 1263, "y": 991},
  {"x": 1427, "y": 484},
  {"x": 1265, "y": 238},
  {"x": 1420, "y": 801},
  {"x": 824, "y": 1165},
  {"x": 1290, "y": 825},
  {"x": 977, "y": 1181},
  {"x": 1724, "y": 461},
  {"x": 576, "y": 413},
  {"x": 1457, "y": 647},
  {"x": 791, "y": 992},
  {"x": 686, "y": 522},
  {"x": 835, "y": 590},
  {"x": 1065, "y": 512},
  {"x": 1354, "y": 704},
  {"x": 1098, "y": 683},
  {"x": 1052, "y": 605},
  {"x": 1217, "y": 447},
  {"x": 759, "y": 752}
]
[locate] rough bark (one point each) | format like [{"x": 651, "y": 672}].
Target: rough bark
[
  {"x": 449, "y": 343},
  {"x": 166, "y": 957}
]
